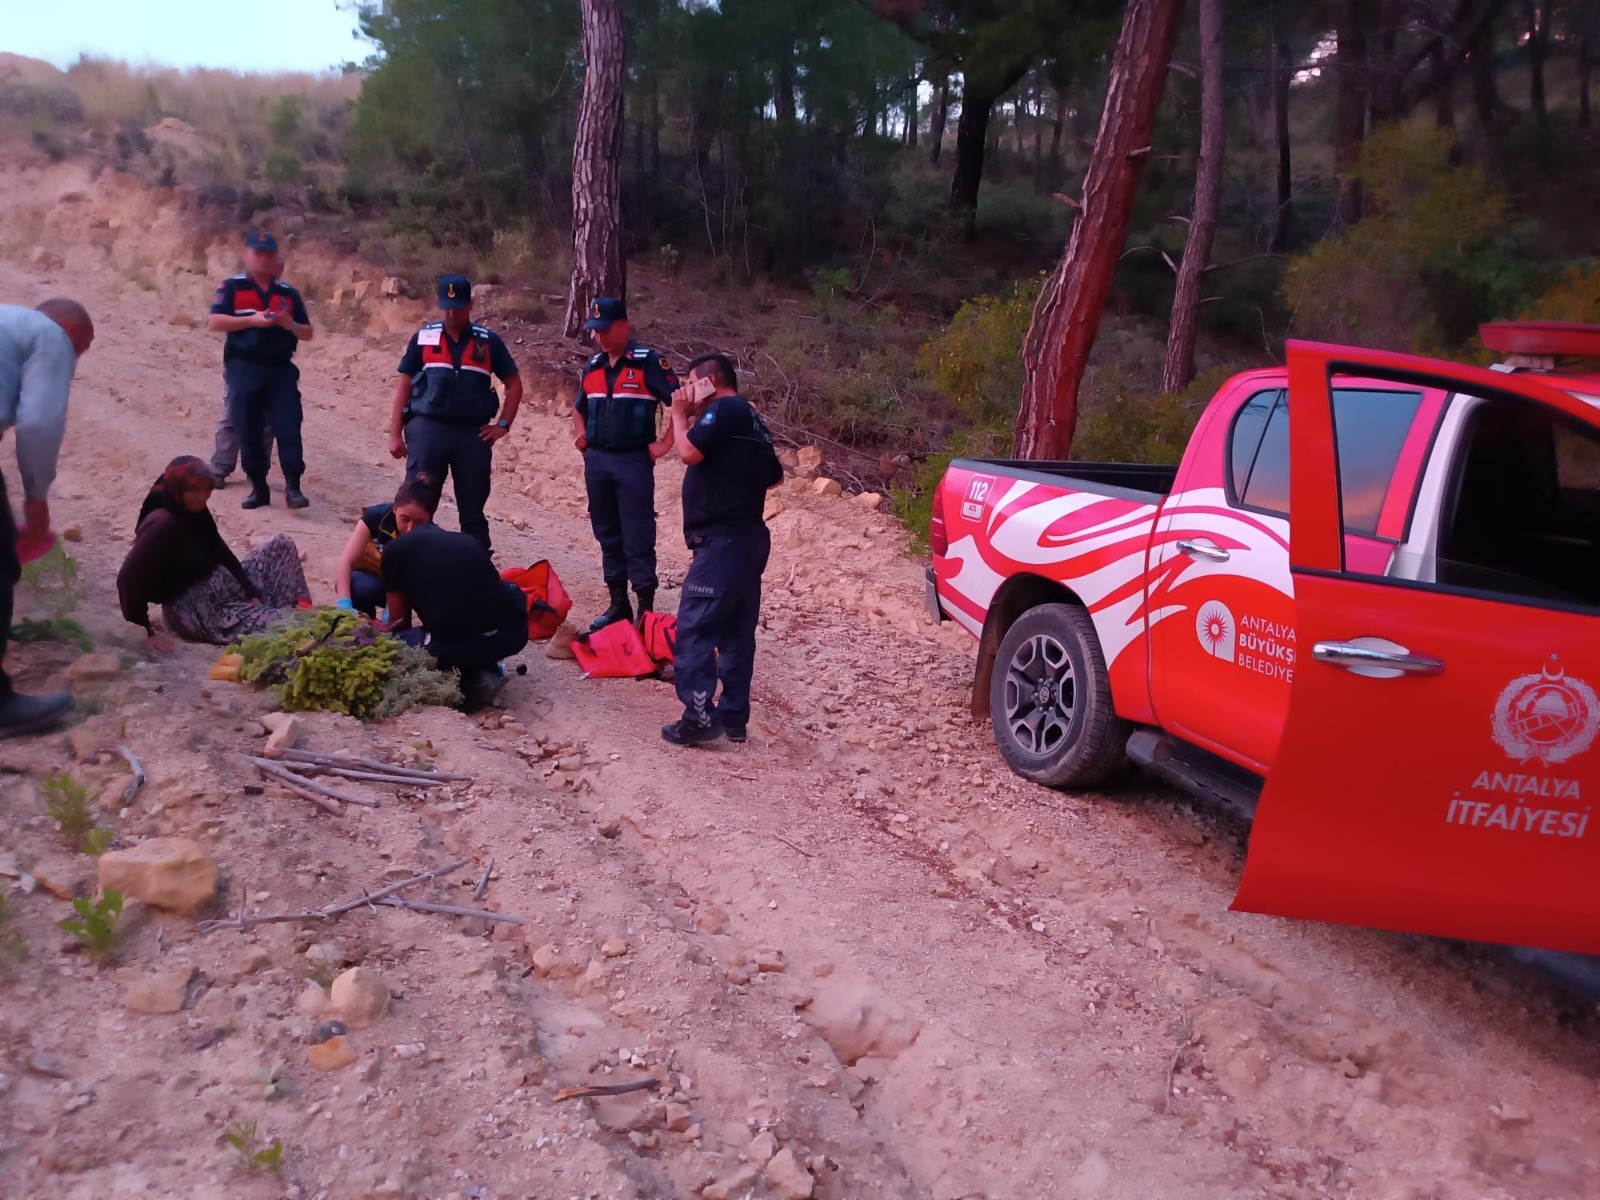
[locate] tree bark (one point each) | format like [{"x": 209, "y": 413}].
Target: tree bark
[
  {"x": 1179, "y": 369},
  {"x": 972, "y": 146},
  {"x": 1282, "y": 71},
  {"x": 1485, "y": 90},
  {"x": 1538, "y": 17},
  {"x": 1067, "y": 316},
  {"x": 1586, "y": 17},
  {"x": 597, "y": 268},
  {"x": 941, "y": 113},
  {"x": 1350, "y": 108}
]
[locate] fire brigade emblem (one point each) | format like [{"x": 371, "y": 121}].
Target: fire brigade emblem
[{"x": 1549, "y": 716}]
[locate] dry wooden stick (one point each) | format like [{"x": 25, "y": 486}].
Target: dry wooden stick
[
  {"x": 139, "y": 778},
  {"x": 303, "y": 785},
  {"x": 322, "y": 914},
  {"x": 450, "y": 910},
  {"x": 608, "y": 1089},
  {"x": 368, "y": 764},
  {"x": 483, "y": 884},
  {"x": 368, "y": 776}
]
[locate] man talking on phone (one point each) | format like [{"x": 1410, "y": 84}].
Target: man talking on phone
[{"x": 731, "y": 464}]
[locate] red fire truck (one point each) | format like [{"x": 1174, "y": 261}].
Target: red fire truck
[{"x": 1364, "y": 609}]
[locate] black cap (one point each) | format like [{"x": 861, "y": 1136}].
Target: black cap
[
  {"x": 455, "y": 292},
  {"x": 605, "y": 312},
  {"x": 260, "y": 239}
]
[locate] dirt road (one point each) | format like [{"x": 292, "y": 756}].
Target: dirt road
[{"x": 857, "y": 941}]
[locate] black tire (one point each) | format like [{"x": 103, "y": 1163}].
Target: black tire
[{"x": 1050, "y": 700}]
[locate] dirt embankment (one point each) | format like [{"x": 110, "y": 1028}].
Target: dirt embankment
[{"x": 860, "y": 955}]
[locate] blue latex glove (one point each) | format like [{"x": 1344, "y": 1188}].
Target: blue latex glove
[
  {"x": 345, "y": 603},
  {"x": 383, "y": 615}
]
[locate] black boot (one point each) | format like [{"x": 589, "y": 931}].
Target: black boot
[
  {"x": 260, "y": 495},
  {"x": 647, "y": 599},
  {"x": 292, "y": 495},
  {"x": 28, "y": 714},
  {"x": 620, "y": 609}
]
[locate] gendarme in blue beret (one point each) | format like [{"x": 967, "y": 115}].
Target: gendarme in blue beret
[
  {"x": 455, "y": 292},
  {"x": 605, "y": 312},
  {"x": 260, "y": 239}
]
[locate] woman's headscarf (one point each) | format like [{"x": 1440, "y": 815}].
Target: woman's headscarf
[{"x": 183, "y": 475}]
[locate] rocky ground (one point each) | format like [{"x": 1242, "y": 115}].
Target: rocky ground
[{"x": 860, "y": 957}]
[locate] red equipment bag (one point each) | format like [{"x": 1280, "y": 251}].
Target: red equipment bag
[
  {"x": 660, "y": 633},
  {"x": 613, "y": 652},
  {"x": 548, "y": 602}
]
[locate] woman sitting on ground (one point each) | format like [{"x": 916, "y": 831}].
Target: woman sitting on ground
[
  {"x": 180, "y": 562},
  {"x": 360, "y": 576},
  {"x": 471, "y": 618}
]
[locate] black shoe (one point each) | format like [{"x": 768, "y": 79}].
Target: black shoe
[
  {"x": 219, "y": 481},
  {"x": 737, "y": 733},
  {"x": 647, "y": 599},
  {"x": 620, "y": 609},
  {"x": 259, "y": 496},
  {"x": 480, "y": 689},
  {"x": 690, "y": 733},
  {"x": 28, "y": 714},
  {"x": 294, "y": 497}
]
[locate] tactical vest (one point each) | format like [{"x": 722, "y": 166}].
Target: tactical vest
[
  {"x": 623, "y": 415},
  {"x": 445, "y": 392}
]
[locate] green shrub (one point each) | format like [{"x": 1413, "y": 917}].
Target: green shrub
[
  {"x": 1396, "y": 278},
  {"x": 53, "y": 580},
  {"x": 55, "y": 629},
  {"x": 976, "y": 360},
  {"x": 912, "y": 504},
  {"x": 13, "y": 949},
  {"x": 1124, "y": 423},
  {"x": 97, "y": 927},
  {"x": 415, "y": 681},
  {"x": 325, "y": 660},
  {"x": 67, "y": 803}
]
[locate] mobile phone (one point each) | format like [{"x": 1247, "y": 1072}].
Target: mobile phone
[{"x": 703, "y": 387}]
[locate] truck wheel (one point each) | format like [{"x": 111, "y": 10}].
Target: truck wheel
[{"x": 1050, "y": 700}]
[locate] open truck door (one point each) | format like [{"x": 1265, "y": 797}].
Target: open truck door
[{"x": 1439, "y": 765}]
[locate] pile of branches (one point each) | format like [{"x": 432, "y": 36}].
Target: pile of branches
[{"x": 332, "y": 660}]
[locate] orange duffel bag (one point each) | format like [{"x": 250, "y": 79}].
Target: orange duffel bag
[
  {"x": 613, "y": 652},
  {"x": 548, "y": 602}
]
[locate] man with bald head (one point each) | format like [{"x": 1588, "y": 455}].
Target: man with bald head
[{"x": 39, "y": 351}]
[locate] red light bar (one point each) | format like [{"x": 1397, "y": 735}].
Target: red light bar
[{"x": 1542, "y": 338}]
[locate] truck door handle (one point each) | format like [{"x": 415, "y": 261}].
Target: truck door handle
[
  {"x": 1203, "y": 548},
  {"x": 1374, "y": 659}
]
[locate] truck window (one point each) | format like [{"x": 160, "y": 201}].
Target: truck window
[
  {"x": 1522, "y": 516},
  {"x": 1370, "y": 426}
]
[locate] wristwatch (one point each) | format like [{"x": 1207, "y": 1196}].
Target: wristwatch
[{"x": 504, "y": 424}]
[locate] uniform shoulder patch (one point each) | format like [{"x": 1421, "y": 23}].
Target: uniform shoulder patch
[
  {"x": 434, "y": 325},
  {"x": 643, "y": 352},
  {"x": 240, "y": 275},
  {"x": 480, "y": 331},
  {"x": 597, "y": 360}
]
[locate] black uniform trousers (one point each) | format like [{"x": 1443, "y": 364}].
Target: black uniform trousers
[
  {"x": 622, "y": 511},
  {"x": 437, "y": 446},
  {"x": 468, "y": 650},
  {"x": 717, "y": 619},
  {"x": 262, "y": 394},
  {"x": 10, "y": 573}
]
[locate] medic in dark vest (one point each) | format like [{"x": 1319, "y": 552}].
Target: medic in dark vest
[
  {"x": 614, "y": 419},
  {"x": 445, "y": 415},
  {"x": 265, "y": 320}
]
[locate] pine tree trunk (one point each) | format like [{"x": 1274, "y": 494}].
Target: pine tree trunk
[
  {"x": 1485, "y": 90},
  {"x": 1538, "y": 20},
  {"x": 1282, "y": 70},
  {"x": 1067, "y": 316},
  {"x": 597, "y": 268},
  {"x": 1585, "y": 62},
  {"x": 1179, "y": 369},
  {"x": 1350, "y": 108},
  {"x": 941, "y": 113},
  {"x": 972, "y": 138}
]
